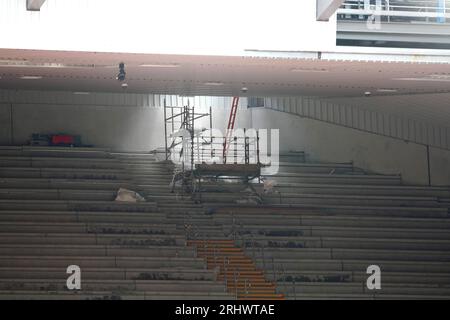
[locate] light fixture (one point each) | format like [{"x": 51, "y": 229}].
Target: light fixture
[
  {"x": 386, "y": 90},
  {"x": 213, "y": 83},
  {"x": 30, "y": 77},
  {"x": 12, "y": 61},
  {"x": 431, "y": 77},
  {"x": 27, "y": 64},
  {"x": 309, "y": 70},
  {"x": 168, "y": 65},
  {"x": 81, "y": 93}
]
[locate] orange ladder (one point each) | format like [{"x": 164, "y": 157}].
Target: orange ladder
[
  {"x": 239, "y": 272},
  {"x": 230, "y": 127}
]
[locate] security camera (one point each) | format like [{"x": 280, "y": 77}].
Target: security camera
[{"x": 122, "y": 73}]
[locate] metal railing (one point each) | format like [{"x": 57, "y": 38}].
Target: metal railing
[{"x": 437, "y": 11}]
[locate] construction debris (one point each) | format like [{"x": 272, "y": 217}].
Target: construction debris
[{"x": 125, "y": 195}]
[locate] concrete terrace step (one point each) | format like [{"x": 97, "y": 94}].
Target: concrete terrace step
[
  {"x": 78, "y": 227},
  {"x": 380, "y": 190},
  {"x": 329, "y": 168},
  {"x": 179, "y": 273},
  {"x": 96, "y": 250},
  {"x": 42, "y": 261},
  {"x": 299, "y": 198},
  {"x": 345, "y": 210},
  {"x": 123, "y": 286},
  {"x": 335, "y": 178},
  {"x": 64, "y": 173},
  {"x": 374, "y": 296},
  {"x": 58, "y": 194},
  {"x": 310, "y": 218},
  {"x": 389, "y": 278},
  {"x": 288, "y": 266},
  {"x": 60, "y": 162},
  {"x": 419, "y": 199},
  {"x": 91, "y": 239},
  {"x": 54, "y": 152},
  {"x": 77, "y": 184},
  {"x": 346, "y": 242},
  {"x": 361, "y": 288},
  {"x": 74, "y": 205},
  {"x": 349, "y": 254},
  {"x": 56, "y": 216},
  {"x": 329, "y": 231},
  {"x": 108, "y": 295}
]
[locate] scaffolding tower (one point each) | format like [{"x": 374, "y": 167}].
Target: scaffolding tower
[{"x": 199, "y": 155}]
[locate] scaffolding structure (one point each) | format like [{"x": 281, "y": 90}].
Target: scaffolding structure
[{"x": 199, "y": 155}]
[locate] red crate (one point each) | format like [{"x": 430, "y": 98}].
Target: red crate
[{"x": 63, "y": 139}]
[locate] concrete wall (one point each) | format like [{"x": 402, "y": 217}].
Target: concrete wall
[
  {"x": 5, "y": 124},
  {"x": 440, "y": 166},
  {"x": 121, "y": 128},
  {"x": 331, "y": 143},
  {"x": 128, "y": 128}
]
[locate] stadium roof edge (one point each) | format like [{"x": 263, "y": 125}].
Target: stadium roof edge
[{"x": 359, "y": 54}]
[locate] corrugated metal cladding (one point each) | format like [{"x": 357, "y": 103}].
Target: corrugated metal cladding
[
  {"x": 356, "y": 117},
  {"x": 114, "y": 99}
]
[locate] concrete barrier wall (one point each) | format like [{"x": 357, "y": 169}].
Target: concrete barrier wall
[
  {"x": 440, "y": 166},
  {"x": 5, "y": 124},
  {"x": 121, "y": 128},
  {"x": 328, "y": 142},
  {"x": 127, "y": 128}
]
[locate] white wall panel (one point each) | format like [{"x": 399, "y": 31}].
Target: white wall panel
[{"x": 383, "y": 123}]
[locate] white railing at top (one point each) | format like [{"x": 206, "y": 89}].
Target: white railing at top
[{"x": 409, "y": 8}]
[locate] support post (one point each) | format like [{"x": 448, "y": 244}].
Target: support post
[
  {"x": 34, "y": 5},
  {"x": 326, "y": 8},
  {"x": 165, "y": 130},
  {"x": 428, "y": 165},
  {"x": 210, "y": 133}
]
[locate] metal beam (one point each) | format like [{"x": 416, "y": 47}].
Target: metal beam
[
  {"x": 34, "y": 5},
  {"x": 394, "y": 31},
  {"x": 326, "y": 8},
  {"x": 391, "y": 13}
]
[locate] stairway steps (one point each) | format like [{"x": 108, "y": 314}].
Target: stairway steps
[{"x": 248, "y": 280}]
